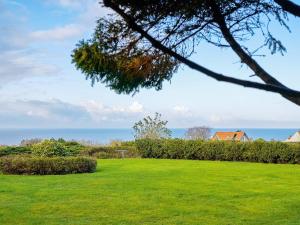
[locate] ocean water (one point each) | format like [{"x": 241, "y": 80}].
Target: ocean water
[{"x": 104, "y": 136}]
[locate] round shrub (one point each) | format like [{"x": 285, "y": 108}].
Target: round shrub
[
  {"x": 47, "y": 165},
  {"x": 50, "y": 148}
]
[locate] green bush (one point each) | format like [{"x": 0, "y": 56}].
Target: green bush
[
  {"x": 46, "y": 165},
  {"x": 73, "y": 147},
  {"x": 52, "y": 148},
  {"x": 108, "y": 152},
  {"x": 14, "y": 150},
  {"x": 256, "y": 151},
  {"x": 49, "y": 148}
]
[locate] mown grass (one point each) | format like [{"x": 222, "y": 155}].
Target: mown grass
[{"x": 148, "y": 191}]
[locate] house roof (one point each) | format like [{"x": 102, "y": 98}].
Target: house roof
[
  {"x": 294, "y": 138},
  {"x": 225, "y": 136}
]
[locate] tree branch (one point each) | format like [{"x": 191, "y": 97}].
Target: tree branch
[
  {"x": 289, "y": 6},
  {"x": 249, "y": 84},
  {"x": 245, "y": 58}
]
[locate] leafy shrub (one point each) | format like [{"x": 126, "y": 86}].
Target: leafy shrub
[
  {"x": 108, "y": 152},
  {"x": 14, "y": 150},
  {"x": 72, "y": 147},
  {"x": 127, "y": 144},
  {"x": 115, "y": 143},
  {"x": 256, "y": 151},
  {"x": 51, "y": 148},
  {"x": 46, "y": 165}
]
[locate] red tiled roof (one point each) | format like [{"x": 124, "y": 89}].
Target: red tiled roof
[{"x": 228, "y": 136}]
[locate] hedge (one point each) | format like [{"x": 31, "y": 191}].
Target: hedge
[
  {"x": 14, "y": 150},
  {"x": 46, "y": 165},
  {"x": 108, "y": 152},
  {"x": 256, "y": 151}
]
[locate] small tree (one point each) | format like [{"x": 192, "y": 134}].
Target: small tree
[
  {"x": 198, "y": 133},
  {"x": 151, "y": 128}
]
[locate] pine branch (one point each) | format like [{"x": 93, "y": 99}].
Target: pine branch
[{"x": 219, "y": 77}]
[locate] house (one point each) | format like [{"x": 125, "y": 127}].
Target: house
[
  {"x": 231, "y": 136},
  {"x": 294, "y": 138}
]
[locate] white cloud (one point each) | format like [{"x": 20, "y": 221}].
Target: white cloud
[
  {"x": 89, "y": 11},
  {"x": 57, "y": 33},
  {"x": 93, "y": 106},
  {"x": 17, "y": 59},
  {"x": 93, "y": 11},
  {"x": 70, "y": 3},
  {"x": 180, "y": 109},
  {"x": 13, "y": 26},
  {"x": 136, "y": 107},
  {"x": 38, "y": 113},
  {"x": 35, "y": 113},
  {"x": 215, "y": 118},
  {"x": 20, "y": 58},
  {"x": 100, "y": 112},
  {"x": 17, "y": 65},
  {"x": 55, "y": 113}
]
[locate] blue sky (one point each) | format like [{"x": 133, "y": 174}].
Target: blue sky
[{"x": 40, "y": 88}]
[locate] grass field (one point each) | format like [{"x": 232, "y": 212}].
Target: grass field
[{"x": 146, "y": 191}]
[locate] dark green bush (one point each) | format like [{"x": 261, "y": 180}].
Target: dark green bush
[
  {"x": 107, "y": 152},
  {"x": 73, "y": 147},
  {"x": 46, "y": 165},
  {"x": 14, "y": 150},
  {"x": 256, "y": 151}
]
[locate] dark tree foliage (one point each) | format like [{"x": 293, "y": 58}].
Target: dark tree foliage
[
  {"x": 116, "y": 57},
  {"x": 144, "y": 42}
]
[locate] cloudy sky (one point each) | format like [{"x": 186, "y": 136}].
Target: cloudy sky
[{"x": 39, "y": 87}]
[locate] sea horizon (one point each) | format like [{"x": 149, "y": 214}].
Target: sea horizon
[{"x": 13, "y": 136}]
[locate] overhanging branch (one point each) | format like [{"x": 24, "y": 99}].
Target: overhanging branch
[
  {"x": 289, "y": 6},
  {"x": 249, "y": 84},
  {"x": 245, "y": 58}
]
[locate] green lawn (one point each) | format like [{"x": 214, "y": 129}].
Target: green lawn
[{"x": 156, "y": 192}]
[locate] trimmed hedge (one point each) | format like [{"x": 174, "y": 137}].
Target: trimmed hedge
[
  {"x": 46, "y": 165},
  {"x": 14, "y": 150},
  {"x": 256, "y": 151},
  {"x": 108, "y": 152}
]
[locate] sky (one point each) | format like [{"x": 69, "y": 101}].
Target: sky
[{"x": 40, "y": 87}]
